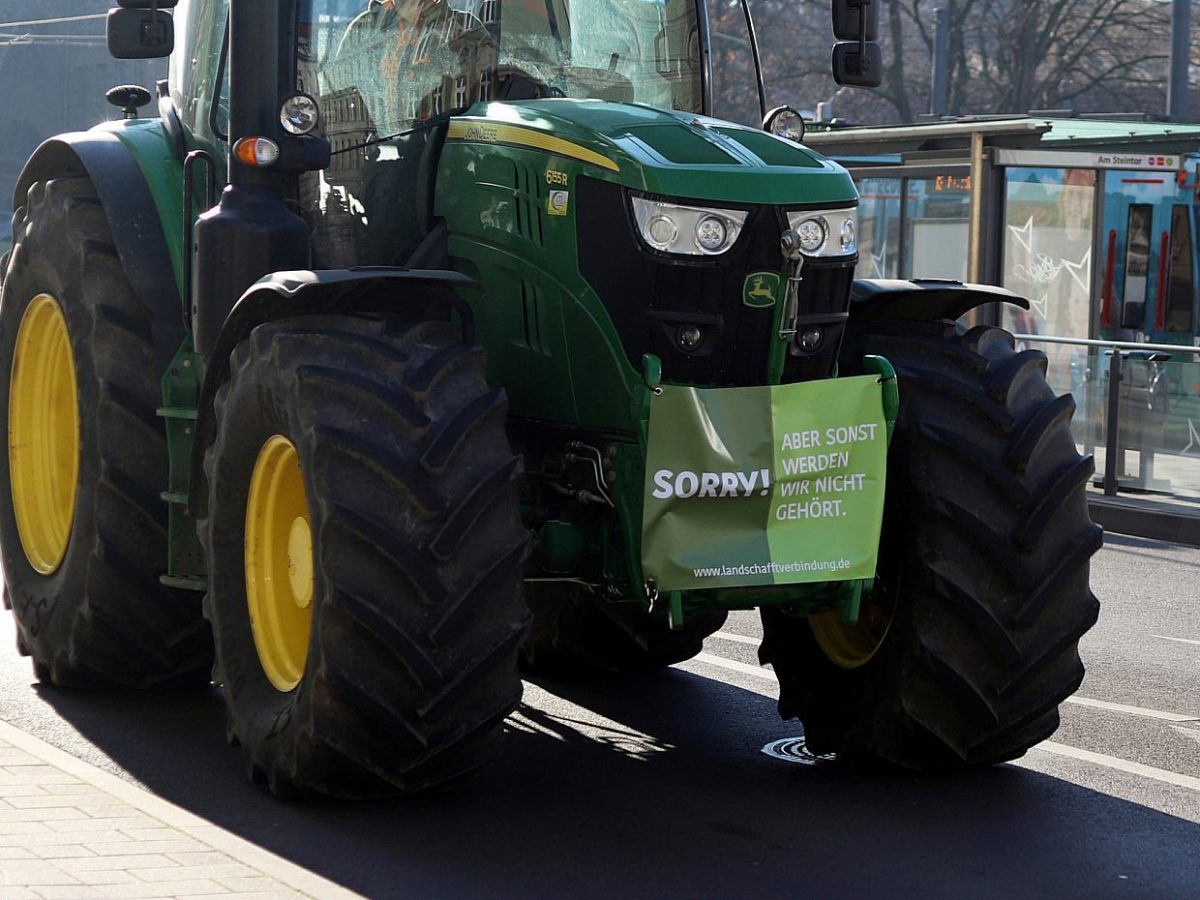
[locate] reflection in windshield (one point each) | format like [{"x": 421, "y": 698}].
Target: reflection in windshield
[
  {"x": 388, "y": 72},
  {"x": 403, "y": 61}
]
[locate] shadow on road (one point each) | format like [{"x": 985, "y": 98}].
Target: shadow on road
[{"x": 655, "y": 787}]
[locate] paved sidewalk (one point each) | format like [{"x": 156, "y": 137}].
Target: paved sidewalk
[{"x": 71, "y": 831}]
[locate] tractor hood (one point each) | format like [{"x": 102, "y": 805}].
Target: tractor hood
[{"x": 661, "y": 152}]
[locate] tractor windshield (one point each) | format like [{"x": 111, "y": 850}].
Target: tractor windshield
[{"x": 394, "y": 63}]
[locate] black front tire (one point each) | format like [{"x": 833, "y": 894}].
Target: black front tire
[
  {"x": 417, "y": 554},
  {"x": 101, "y": 618},
  {"x": 983, "y": 565}
]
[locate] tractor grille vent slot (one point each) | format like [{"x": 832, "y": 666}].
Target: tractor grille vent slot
[{"x": 530, "y": 198}]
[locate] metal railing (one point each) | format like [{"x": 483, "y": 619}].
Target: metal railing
[{"x": 1118, "y": 352}]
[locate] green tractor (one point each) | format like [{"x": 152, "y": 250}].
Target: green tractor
[{"x": 346, "y": 382}]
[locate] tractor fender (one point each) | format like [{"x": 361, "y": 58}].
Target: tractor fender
[
  {"x": 132, "y": 214},
  {"x": 420, "y": 293},
  {"x": 874, "y": 300}
]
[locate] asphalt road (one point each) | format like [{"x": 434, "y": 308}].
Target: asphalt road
[{"x": 658, "y": 787}]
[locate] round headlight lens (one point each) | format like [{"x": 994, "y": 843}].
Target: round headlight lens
[
  {"x": 810, "y": 339},
  {"x": 812, "y": 234},
  {"x": 689, "y": 337},
  {"x": 661, "y": 231},
  {"x": 785, "y": 122},
  {"x": 299, "y": 114},
  {"x": 711, "y": 234},
  {"x": 849, "y": 235}
]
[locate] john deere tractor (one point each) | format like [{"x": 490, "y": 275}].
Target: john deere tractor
[{"x": 414, "y": 342}]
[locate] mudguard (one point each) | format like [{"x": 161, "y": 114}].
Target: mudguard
[
  {"x": 923, "y": 298},
  {"x": 133, "y": 216},
  {"x": 420, "y": 292}
]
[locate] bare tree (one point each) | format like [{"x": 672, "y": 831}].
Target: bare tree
[{"x": 1006, "y": 56}]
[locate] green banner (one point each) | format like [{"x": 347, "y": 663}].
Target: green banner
[{"x": 764, "y": 485}]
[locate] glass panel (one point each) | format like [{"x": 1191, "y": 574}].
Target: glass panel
[
  {"x": 1179, "y": 287},
  {"x": 400, "y": 57},
  {"x": 1048, "y": 260},
  {"x": 734, "y": 85},
  {"x": 1137, "y": 266},
  {"x": 192, "y": 77},
  {"x": 936, "y": 227},
  {"x": 1159, "y": 423},
  {"x": 878, "y": 228}
]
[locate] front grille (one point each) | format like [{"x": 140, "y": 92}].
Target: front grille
[{"x": 650, "y": 295}]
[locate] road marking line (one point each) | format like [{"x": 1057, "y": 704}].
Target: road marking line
[
  {"x": 1123, "y": 765},
  {"x": 1100, "y": 759},
  {"x": 734, "y": 665},
  {"x": 1132, "y": 710},
  {"x": 1163, "y": 637},
  {"x": 769, "y": 675},
  {"x": 739, "y": 638}
]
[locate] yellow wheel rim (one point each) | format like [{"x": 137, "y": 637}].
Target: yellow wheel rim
[
  {"x": 851, "y": 646},
  {"x": 279, "y": 563},
  {"x": 43, "y": 434}
]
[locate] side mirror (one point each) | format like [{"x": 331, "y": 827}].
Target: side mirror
[
  {"x": 848, "y": 16},
  {"x": 857, "y": 64},
  {"x": 140, "y": 33}
]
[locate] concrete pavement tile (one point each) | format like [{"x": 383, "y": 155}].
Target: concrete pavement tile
[
  {"x": 181, "y": 844},
  {"x": 89, "y": 803},
  {"x": 30, "y": 873},
  {"x": 7, "y": 828},
  {"x": 255, "y": 895},
  {"x": 72, "y": 787},
  {"x": 173, "y": 889},
  {"x": 62, "y": 851},
  {"x": 161, "y": 833},
  {"x": 16, "y": 853},
  {"x": 42, "y": 774},
  {"x": 48, "y": 838},
  {"x": 40, "y": 815},
  {"x": 254, "y": 884},
  {"x": 11, "y": 756},
  {"x": 207, "y": 858},
  {"x": 219, "y": 872},
  {"x": 128, "y": 861},
  {"x": 67, "y": 892},
  {"x": 106, "y": 877},
  {"x": 108, "y": 823},
  {"x": 16, "y": 893},
  {"x": 115, "y": 809},
  {"x": 27, "y": 790}
]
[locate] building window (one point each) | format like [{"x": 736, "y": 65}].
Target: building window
[
  {"x": 489, "y": 12},
  {"x": 460, "y": 92}
]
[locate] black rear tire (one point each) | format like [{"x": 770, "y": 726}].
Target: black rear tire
[
  {"x": 985, "y": 554},
  {"x": 101, "y": 617},
  {"x": 417, "y": 555},
  {"x": 577, "y": 634}
]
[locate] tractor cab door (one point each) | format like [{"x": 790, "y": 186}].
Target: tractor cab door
[
  {"x": 199, "y": 77},
  {"x": 387, "y": 76}
]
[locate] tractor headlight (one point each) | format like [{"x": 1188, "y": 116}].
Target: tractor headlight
[
  {"x": 689, "y": 230},
  {"x": 832, "y": 232},
  {"x": 812, "y": 233},
  {"x": 785, "y": 122},
  {"x": 299, "y": 114}
]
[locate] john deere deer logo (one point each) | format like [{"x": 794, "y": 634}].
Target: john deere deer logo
[{"x": 761, "y": 289}]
